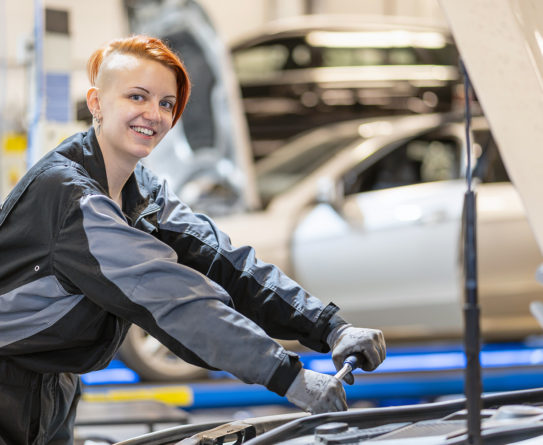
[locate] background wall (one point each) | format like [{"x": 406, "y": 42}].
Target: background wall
[
  {"x": 91, "y": 23},
  {"x": 236, "y": 17},
  {"x": 97, "y": 21}
]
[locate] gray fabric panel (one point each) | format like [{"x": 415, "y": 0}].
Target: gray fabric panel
[
  {"x": 33, "y": 307},
  {"x": 185, "y": 304}
]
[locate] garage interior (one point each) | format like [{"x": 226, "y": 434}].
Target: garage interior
[{"x": 343, "y": 128}]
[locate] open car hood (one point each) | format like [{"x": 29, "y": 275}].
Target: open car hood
[{"x": 501, "y": 45}]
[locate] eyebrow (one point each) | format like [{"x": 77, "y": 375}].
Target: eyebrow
[{"x": 148, "y": 92}]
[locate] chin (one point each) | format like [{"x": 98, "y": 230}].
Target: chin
[{"x": 143, "y": 152}]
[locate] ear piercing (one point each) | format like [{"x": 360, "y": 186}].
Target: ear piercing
[{"x": 97, "y": 122}]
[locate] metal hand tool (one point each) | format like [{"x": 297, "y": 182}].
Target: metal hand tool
[{"x": 350, "y": 363}]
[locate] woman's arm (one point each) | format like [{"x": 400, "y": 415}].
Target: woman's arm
[
  {"x": 133, "y": 275},
  {"x": 260, "y": 291}
]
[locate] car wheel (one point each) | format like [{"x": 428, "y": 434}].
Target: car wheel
[{"x": 153, "y": 361}]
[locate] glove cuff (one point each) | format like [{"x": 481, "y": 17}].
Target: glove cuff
[
  {"x": 316, "y": 392},
  {"x": 297, "y": 389},
  {"x": 336, "y": 333},
  {"x": 306, "y": 389}
]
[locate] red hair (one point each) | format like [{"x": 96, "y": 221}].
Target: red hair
[{"x": 150, "y": 48}]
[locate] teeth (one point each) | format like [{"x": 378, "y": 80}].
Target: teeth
[{"x": 142, "y": 130}]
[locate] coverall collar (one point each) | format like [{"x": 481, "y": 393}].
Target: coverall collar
[
  {"x": 93, "y": 163},
  {"x": 93, "y": 160}
]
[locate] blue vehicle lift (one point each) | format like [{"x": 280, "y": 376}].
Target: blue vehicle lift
[{"x": 408, "y": 375}]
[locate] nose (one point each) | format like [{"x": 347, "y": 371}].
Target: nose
[{"x": 152, "y": 111}]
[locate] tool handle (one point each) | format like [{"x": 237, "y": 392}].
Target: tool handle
[
  {"x": 350, "y": 363},
  {"x": 353, "y": 361}
]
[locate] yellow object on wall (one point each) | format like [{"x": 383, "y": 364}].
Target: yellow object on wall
[
  {"x": 14, "y": 143},
  {"x": 12, "y": 161}
]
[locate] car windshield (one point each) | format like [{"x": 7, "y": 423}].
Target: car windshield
[
  {"x": 314, "y": 51},
  {"x": 336, "y": 57},
  {"x": 296, "y": 160}
]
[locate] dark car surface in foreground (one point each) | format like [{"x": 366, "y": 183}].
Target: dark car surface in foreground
[{"x": 506, "y": 418}]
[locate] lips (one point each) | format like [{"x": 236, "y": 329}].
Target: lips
[{"x": 143, "y": 130}]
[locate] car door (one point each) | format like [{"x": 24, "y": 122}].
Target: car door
[{"x": 388, "y": 255}]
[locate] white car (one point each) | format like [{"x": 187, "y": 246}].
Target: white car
[{"x": 368, "y": 214}]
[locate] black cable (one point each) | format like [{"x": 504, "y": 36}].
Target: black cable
[
  {"x": 467, "y": 108},
  {"x": 473, "y": 385}
]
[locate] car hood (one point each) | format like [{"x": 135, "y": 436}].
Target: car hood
[{"x": 501, "y": 45}]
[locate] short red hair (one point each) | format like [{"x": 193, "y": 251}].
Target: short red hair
[{"x": 149, "y": 48}]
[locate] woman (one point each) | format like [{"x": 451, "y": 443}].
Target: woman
[{"x": 90, "y": 242}]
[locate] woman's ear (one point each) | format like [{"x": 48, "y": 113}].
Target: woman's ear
[{"x": 93, "y": 103}]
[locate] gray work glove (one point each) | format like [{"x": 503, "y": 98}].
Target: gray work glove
[
  {"x": 317, "y": 393},
  {"x": 368, "y": 344}
]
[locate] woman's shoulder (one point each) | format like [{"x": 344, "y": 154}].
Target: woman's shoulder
[
  {"x": 61, "y": 176},
  {"x": 74, "y": 164}
]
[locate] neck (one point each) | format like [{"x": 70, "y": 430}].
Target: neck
[
  {"x": 116, "y": 183},
  {"x": 118, "y": 170}
]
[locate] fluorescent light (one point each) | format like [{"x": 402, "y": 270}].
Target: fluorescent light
[{"x": 383, "y": 39}]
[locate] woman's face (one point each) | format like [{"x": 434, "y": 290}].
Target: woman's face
[{"x": 135, "y": 99}]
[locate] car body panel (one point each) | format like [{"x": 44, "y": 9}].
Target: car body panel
[
  {"x": 400, "y": 252},
  {"x": 507, "y": 36},
  {"x": 507, "y": 257}
]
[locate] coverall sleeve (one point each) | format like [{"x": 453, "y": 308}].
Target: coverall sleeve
[
  {"x": 260, "y": 291},
  {"x": 135, "y": 276}
]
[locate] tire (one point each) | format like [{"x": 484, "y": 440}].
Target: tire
[{"x": 154, "y": 362}]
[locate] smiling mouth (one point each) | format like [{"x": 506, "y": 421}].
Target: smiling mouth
[{"x": 143, "y": 130}]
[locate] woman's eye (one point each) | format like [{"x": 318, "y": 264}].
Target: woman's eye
[
  {"x": 136, "y": 97},
  {"x": 166, "y": 104}
]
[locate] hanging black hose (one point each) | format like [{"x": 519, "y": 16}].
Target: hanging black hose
[{"x": 473, "y": 386}]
